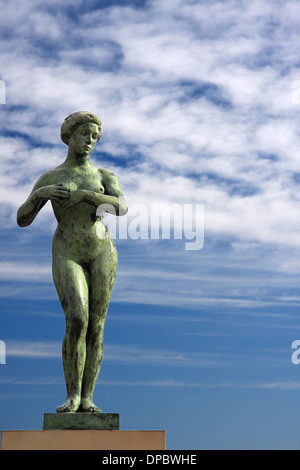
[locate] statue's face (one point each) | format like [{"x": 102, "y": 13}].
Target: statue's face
[{"x": 84, "y": 139}]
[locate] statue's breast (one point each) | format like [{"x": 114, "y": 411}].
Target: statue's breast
[
  {"x": 81, "y": 179},
  {"x": 90, "y": 183}
]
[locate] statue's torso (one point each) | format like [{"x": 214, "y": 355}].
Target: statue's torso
[{"x": 80, "y": 231}]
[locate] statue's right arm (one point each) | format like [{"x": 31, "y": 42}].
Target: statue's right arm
[{"x": 41, "y": 193}]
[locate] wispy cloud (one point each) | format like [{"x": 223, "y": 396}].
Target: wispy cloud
[
  {"x": 129, "y": 354},
  {"x": 214, "y": 101},
  {"x": 26, "y": 272},
  {"x": 280, "y": 385},
  {"x": 161, "y": 357},
  {"x": 137, "y": 355},
  {"x": 31, "y": 381},
  {"x": 197, "y": 108},
  {"x": 288, "y": 386},
  {"x": 19, "y": 348}
]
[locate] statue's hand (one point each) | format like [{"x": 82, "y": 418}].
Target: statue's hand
[
  {"x": 74, "y": 198},
  {"x": 55, "y": 192}
]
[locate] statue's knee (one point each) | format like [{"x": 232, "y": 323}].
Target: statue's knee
[{"x": 77, "y": 325}]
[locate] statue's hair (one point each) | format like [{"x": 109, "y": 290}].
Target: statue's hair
[{"x": 75, "y": 120}]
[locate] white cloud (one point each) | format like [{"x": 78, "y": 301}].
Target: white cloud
[
  {"x": 155, "y": 357},
  {"x": 33, "y": 349},
  {"x": 26, "y": 272},
  {"x": 129, "y": 354},
  {"x": 276, "y": 385},
  {"x": 195, "y": 97}
]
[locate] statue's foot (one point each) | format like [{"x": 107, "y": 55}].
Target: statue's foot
[
  {"x": 70, "y": 406},
  {"x": 87, "y": 406}
]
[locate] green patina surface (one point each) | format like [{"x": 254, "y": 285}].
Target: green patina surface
[{"x": 84, "y": 255}]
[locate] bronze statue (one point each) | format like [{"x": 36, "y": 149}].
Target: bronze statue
[{"x": 84, "y": 255}]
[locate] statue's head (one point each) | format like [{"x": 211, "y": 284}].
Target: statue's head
[{"x": 75, "y": 120}]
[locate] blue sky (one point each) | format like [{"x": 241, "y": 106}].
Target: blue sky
[{"x": 200, "y": 105}]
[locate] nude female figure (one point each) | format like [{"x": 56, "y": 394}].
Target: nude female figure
[{"x": 83, "y": 252}]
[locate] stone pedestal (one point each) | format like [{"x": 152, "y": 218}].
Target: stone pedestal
[
  {"x": 82, "y": 431},
  {"x": 83, "y": 440}
]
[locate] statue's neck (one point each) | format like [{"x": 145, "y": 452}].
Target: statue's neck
[{"x": 74, "y": 159}]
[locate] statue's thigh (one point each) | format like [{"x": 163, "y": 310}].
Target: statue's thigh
[
  {"x": 72, "y": 287},
  {"x": 102, "y": 277}
]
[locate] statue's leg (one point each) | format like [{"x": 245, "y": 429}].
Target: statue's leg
[
  {"x": 102, "y": 277},
  {"x": 72, "y": 287}
]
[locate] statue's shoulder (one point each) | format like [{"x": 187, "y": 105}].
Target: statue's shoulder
[
  {"x": 110, "y": 183},
  {"x": 106, "y": 174},
  {"x": 49, "y": 177}
]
